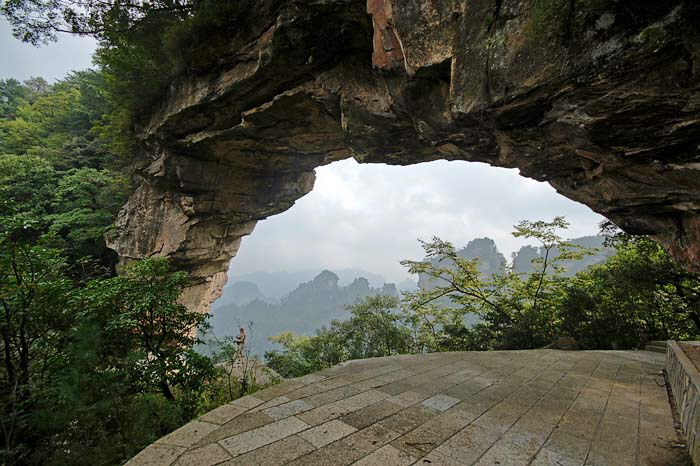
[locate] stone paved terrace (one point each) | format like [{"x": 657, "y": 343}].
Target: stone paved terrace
[{"x": 539, "y": 407}]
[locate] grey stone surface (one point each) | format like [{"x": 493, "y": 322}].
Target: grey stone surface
[
  {"x": 223, "y": 414},
  {"x": 287, "y": 409},
  {"x": 440, "y": 402},
  {"x": 252, "y": 439},
  {"x": 684, "y": 379},
  {"x": 207, "y": 455},
  {"x": 326, "y": 433},
  {"x": 539, "y": 407}
]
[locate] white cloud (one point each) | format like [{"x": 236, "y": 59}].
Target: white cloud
[
  {"x": 369, "y": 216},
  {"x": 53, "y": 61}
]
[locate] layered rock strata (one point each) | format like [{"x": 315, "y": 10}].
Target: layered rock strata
[{"x": 601, "y": 99}]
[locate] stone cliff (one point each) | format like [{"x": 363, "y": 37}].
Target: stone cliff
[{"x": 599, "y": 98}]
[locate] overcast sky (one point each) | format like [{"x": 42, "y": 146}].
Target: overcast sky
[
  {"x": 362, "y": 216},
  {"x": 53, "y": 61},
  {"x": 370, "y": 216}
]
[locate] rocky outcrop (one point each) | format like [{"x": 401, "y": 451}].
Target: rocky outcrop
[
  {"x": 600, "y": 99},
  {"x": 489, "y": 259}
]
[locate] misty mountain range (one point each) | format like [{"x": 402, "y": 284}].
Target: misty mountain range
[
  {"x": 310, "y": 305},
  {"x": 304, "y": 300}
]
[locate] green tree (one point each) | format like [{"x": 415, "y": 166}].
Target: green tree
[
  {"x": 516, "y": 312},
  {"x": 12, "y": 94},
  {"x": 77, "y": 206},
  {"x": 35, "y": 321},
  {"x": 639, "y": 294},
  {"x": 68, "y": 123},
  {"x": 147, "y": 43},
  {"x": 84, "y": 206},
  {"x": 143, "y": 314},
  {"x": 375, "y": 328}
]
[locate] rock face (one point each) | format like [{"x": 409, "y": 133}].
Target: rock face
[
  {"x": 490, "y": 262},
  {"x": 599, "y": 98},
  {"x": 523, "y": 259}
]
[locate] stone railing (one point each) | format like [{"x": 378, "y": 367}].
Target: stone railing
[{"x": 684, "y": 379}]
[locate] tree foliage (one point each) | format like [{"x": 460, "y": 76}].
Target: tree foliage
[
  {"x": 93, "y": 366},
  {"x": 143, "y": 45},
  {"x": 637, "y": 295},
  {"x": 68, "y": 123},
  {"x": 375, "y": 328}
]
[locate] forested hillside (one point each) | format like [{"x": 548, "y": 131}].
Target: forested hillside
[
  {"x": 312, "y": 304},
  {"x": 88, "y": 364}
]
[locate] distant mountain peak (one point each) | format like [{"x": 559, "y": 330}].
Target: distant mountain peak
[{"x": 326, "y": 277}]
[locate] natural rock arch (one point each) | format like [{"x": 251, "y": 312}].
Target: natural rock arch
[{"x": 603, "y": 103}]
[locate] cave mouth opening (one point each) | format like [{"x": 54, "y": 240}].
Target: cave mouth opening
[{"x": 360, "y": 220}]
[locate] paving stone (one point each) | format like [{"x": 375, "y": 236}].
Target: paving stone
[
  {"x": 568, "y": 445},
  {"x": 273, "y": 402},
  {"x": 421, "y": 440},
  {"x": 278, "y": 390},
  {"x": 513, "y": 449},
  {"x": 208, "y": 455},
  {"x": 466, "y": 390},
  {"x": 242, "y": 423},
  {"x": 407, "y": 399},
  {"x": 362, "y": 399},
  {"x": 248, "y": 402},
  {"x": 408, "y": 419},
  {"x": 434, "y": 387},
  {"x": 469, "y": 444},
  {"x": 311, "y": 378},
  {"x": 450, "y": 421},
  {"x": 435, "y": 458},
  {"x": 396, "y": 388},
  {"x": 189, "y": 434},
  {"x": 599, "y": 459},
  {"x": 256, "y": 438},
  {"x": 369, "y": 384},
  {"x": 370, "y": 414},
  {"x": 157, "y": 455},
  {"x": 327, "y": 433},
  {"x": 477, "y": 404},
  {"x": 387, "y": 456},
  {"x": 440, "y": 402},
  {"x": 370, "y": 438},
  {"x": 287, "y": 409},
  {"x": 538, "y": 407},
  {"x": 528, "y": 395},
  {"x": 623, "y": 408},
  {"x": 546, "y": 457},
  {"x": 330, "y": 396},
  {"x": 322, "y": 414},
  {"x": 276, "y": 453},
  {"x": 335, "y": 454},
  {"x": 331, "y": 383},
  {"x": 616, "y": 440},
  {"x": 580, "y": 423},
  {"x": 223, "y": 414},
  {"x": 501, "y": 416}
]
